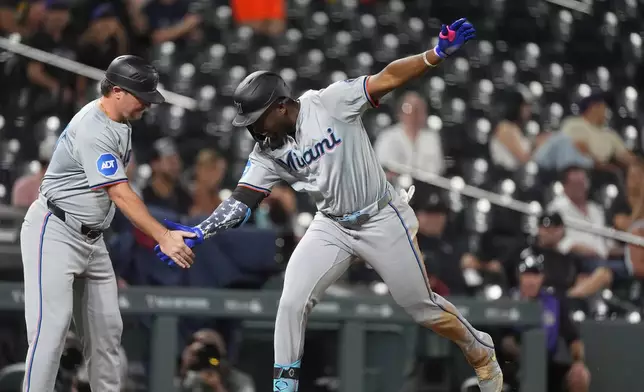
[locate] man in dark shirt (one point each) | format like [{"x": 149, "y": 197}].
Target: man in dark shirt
[
  {"x": 561, "y": 270},
  {"x": 21, "y": 16},
  {"x": 171, "y": 20},
  {"x": 443, "y": 256},
  {"x": 52, "y": 88},
  {"x": 164, "y": 189},
  {"x": 573, "y": 377},
  {"x": 103, "y": 40},
  {"x": 564, "y": 273}
]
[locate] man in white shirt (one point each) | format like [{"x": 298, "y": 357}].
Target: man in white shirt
[
  {"x": 573, "y": 204},
  {"x": 409, "y": 142}
]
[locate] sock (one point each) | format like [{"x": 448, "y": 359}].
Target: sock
[{"x": 286, "y": 377}]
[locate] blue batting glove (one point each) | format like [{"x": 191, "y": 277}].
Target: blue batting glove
[
  {"x": 191, "y": 242},
  {"x": 453, "y": 37}
]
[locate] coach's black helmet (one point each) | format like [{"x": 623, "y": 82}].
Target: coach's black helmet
[
  {"x": 255, "y": 94},
  {"x": 136, "y": 76}
]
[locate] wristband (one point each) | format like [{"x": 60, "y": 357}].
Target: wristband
[{"x": 427, "y": 61}]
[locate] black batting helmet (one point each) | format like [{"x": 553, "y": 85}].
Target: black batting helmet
[
  {"x": 255, "y": 94},
  {"x": 136, "y": 76}
]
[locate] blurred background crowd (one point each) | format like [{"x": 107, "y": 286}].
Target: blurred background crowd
[{"x": 544, "y": 107}]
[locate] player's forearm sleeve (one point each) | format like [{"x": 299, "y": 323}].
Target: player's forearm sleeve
[{"x": 231, "y": 213}]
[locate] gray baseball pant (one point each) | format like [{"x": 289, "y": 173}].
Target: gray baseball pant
[{"x": 66, "y": 274}]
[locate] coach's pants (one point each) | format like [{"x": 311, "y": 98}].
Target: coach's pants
[
  {"x": 64, "y": 271},
  {"x": 386, "y": 243}
]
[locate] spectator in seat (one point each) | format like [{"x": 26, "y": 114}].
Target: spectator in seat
[
  {"x": 210, "y": 169},
  {"x": 592, "y": 137},
  {"x": 509, "y": 147},
  {"x": 52, "y": 87},
  {"x": 266, "y": 17},
  {"x": 171, "y": 20},
  {"x": 443, "y": 257},
  {"x": 25, "y": 190},
  {"x": 573, "y": 204},
  {"x": 104, "y": 39},
  {"x": 562, "y": 272},
  {"x": 558, "y": 324},
  {"x": 409, "y": 142},
  {"x": 559, "y": 151},
  {"x": 164, "y": 189},
  {"x": 22, "y": 17}
]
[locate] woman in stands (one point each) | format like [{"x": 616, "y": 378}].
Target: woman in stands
[{"x": 509, "y": 147}]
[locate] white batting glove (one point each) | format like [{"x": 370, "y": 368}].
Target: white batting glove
[{"x": 406, "y": 195}]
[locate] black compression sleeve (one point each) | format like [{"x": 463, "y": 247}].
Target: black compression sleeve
[{"x": 248, "y": 196}]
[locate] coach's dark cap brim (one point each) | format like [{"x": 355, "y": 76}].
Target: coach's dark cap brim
[{"x": 150, "y": 97}]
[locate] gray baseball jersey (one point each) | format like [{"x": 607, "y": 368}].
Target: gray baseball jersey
[
  {"x": 92, "y": 153},
  {"x": 331, "y": 158},
  {"x": 64, "y": 267}
]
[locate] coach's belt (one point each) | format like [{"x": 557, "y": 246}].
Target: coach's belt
[
  {"x": 360, "y": 217},
  {"x": 62, "y": 215}
]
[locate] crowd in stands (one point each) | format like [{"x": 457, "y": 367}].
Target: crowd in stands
[{"x": 578, "y": 168}]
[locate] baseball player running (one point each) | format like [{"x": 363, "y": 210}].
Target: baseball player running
[
  {"x": 63, "y": 252},
  {"x": 319, "y": 145}
]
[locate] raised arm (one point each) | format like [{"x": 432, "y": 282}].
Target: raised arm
[{"x": 399, "y": 72}]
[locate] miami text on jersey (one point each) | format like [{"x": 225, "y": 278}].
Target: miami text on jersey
[{"x": 294, "y": 162}]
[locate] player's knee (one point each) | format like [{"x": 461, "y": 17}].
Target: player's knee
[
  {"x": 114, "y": 323},
  {"x": 294, "y": 306},
  {"x": 424, "y": 312},
  {"x": 117, "y": 324},
  {"x": 58, "y": 325}
]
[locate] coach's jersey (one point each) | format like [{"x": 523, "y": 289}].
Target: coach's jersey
[
  {"x": 330, "y": 157},
  {"x": 91, "y": 153}
]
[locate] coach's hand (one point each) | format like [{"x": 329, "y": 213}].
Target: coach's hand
[
  {"x": 175, "y": 247},
  {"x": 453, "y": 37}
]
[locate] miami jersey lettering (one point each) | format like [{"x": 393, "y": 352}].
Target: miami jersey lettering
[{"x": 294, "y": 161}]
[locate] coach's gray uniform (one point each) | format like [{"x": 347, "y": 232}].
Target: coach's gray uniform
[
  {"x": 62, "y": 244},
  {"x": 331, "y": 158}
]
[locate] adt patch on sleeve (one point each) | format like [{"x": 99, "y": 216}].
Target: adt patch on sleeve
[{"x": 107, "y": 164}]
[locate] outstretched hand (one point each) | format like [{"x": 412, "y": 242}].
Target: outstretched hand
[
  {"x": 176, "y": 246},
  {"x": 453, "y": 37}
]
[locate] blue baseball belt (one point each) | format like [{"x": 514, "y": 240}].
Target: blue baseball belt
[{"x": 362, "y": 216}]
